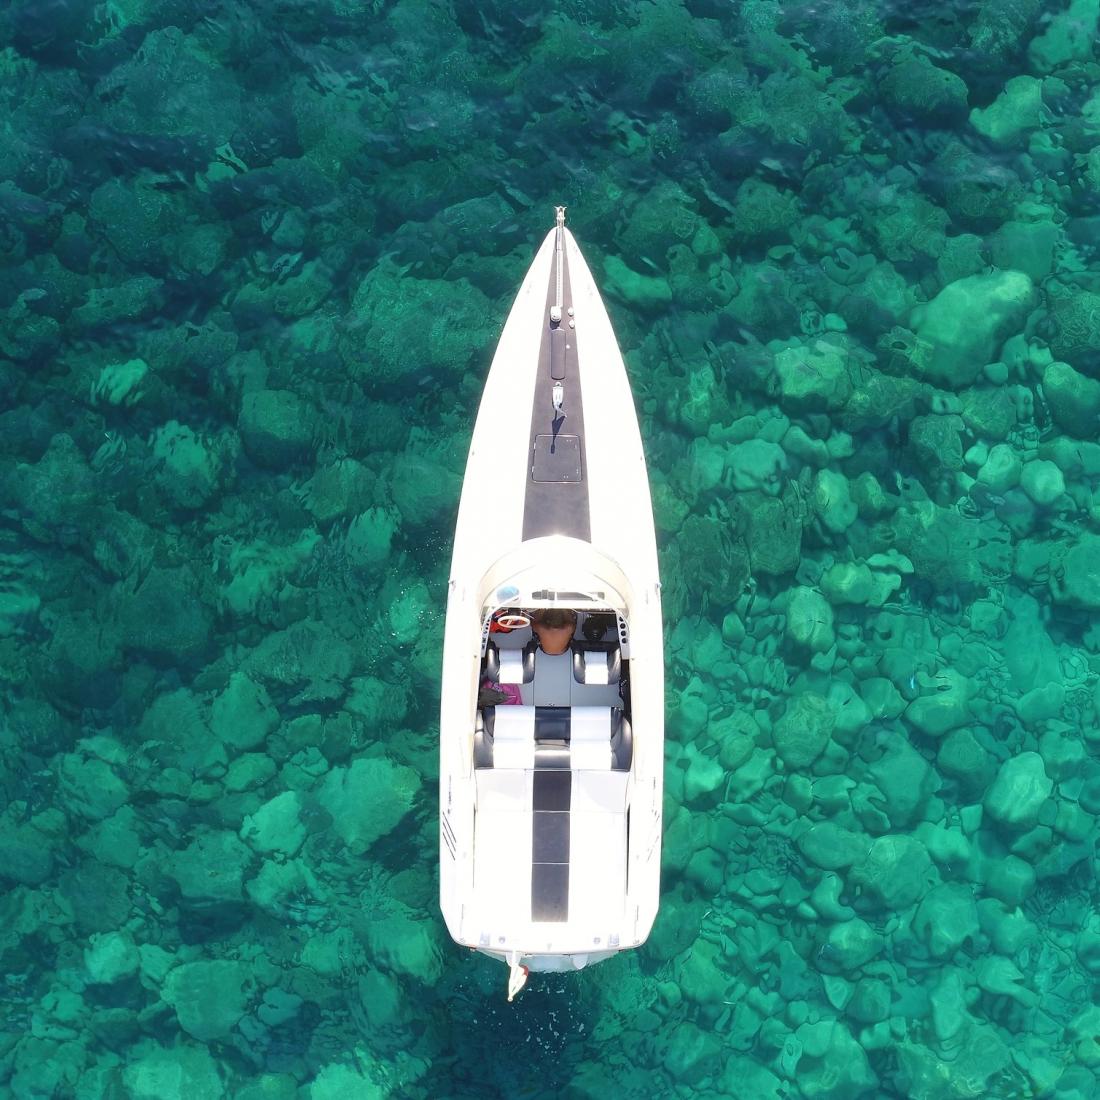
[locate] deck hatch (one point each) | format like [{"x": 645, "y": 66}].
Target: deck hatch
[{"x": 556, "y": 460}]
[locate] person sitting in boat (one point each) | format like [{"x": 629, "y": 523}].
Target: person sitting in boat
[{"x": 554, "y": 627}]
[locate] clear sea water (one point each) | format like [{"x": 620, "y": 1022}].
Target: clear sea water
[{"x": 253, "y": 262}]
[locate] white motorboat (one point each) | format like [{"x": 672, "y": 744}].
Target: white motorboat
[{"x": 551, "y": 763}]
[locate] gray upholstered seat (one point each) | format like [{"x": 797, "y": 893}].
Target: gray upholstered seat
[
  {"x": 596, "y": 662},
  {"x": 510, "y": 666}
]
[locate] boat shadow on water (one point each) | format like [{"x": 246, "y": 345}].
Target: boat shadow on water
[{"x": 529, "y": 1048}]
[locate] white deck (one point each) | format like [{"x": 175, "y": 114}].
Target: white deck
[{"x": 501, "y": 901}]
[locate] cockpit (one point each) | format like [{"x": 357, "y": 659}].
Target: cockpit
[
  {"x": 552, "y": 737},
  {"x": 556, "y": 681}
]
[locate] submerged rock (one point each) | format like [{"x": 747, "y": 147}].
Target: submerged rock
[
  {"x": 190, "y": 468},
  {"x": 90, "y": 784},
  {"x": 1042, "y": 481},
  {"x": 276, "y": 826},
  {"x": 1020, "y": 789},
  {"x": 896, "y": 871},
  {"x": 983, "y": 1062},
  {"x": 905, "y": 779},
  {"x": 832, "y": 847},
  {"x": 26, "y": 854},
  {"x": 947, "y": 918},
  {"x": 1073, "y": 398},
  {"x": 423, "y": 490},
  {"x": 406, "y": 946},
  {"x": 368, "y": 799},
  {"x": 242, "y": 716},
  {"x": 212, "y": 868},
  {"x": 847, "y": 946},
  {"x": 277, "y": 427},
  {"x": 813, "y": 377},
  {"x": 774, "y": 533},
  {"x": 185, "y": 1071},
  {"x": 1074, "y": 325},
  {"x": 1001, "y": 469},
  {"x": 914, "y": 88},
  {"x": 832, "y": 501},
  {"x": 968, "y": 320},
  {"x": 209, "y": 996},
  {"x": 1075, "y": 571},
  {"x": 832, "y": 1065},
  {"x": 339, "y": 1080},
  {"x": 1013, "y": 114},
  {"x": 803, "y": 731},
  {"x": 165, "y": 617},
  {"x": 111, "y": 956},
  {"x": 641, "y": 291},
  {"x": 757, "y": 465},
  {"x": 810, "y": 620}
]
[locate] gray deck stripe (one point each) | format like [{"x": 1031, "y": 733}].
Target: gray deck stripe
[
  {"x": 550, "y": 892},
  {"x": 552, "y": 790},
  {"x": 557, "y": 508},
  {"x": 552, "y": 794},
  {"x": 550, "y": 837}
]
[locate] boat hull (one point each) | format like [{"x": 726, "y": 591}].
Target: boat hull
[{"x": 555, "y": 512}]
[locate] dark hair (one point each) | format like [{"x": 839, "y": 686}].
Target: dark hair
[{"x": 555, "y": 617}]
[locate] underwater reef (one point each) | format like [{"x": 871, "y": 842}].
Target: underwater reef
[{"x": 253, "y": 262}]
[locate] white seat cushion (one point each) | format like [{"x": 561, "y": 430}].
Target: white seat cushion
[
  {"x": 590, "y": 738},
  {"x": 511, "y": 666},
  {"x": 514, "y": 737},
  {"x": 595, "y": 667}
]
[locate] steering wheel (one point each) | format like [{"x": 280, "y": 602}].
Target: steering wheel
[{"x": 512, "y": 620}]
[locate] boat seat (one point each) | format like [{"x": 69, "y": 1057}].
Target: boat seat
[
  {"x": 526, "y": 737},
  {"x": 622, "y": 742},
  {"x": 510, "y": 666},
  {"x": 577, "y": 738},
  {"x": 596, "y": 662},
  {"x": 590, "y": 741},
  {"x": 513, "y": 732}
]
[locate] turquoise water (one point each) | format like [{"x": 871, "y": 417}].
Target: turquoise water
[{"x": 254, "y": 262}]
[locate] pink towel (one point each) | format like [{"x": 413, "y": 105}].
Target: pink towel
[{"x": 513, "y": 697}]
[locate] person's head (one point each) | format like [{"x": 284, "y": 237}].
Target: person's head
[{"x": 554, "y": 627}]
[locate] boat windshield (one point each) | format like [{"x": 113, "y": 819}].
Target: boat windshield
[
  {"x": 557, "y": 626},
  {"x": 568, "y": 597}
]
